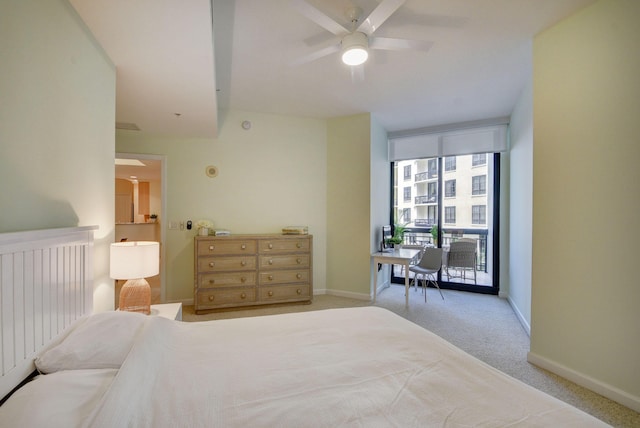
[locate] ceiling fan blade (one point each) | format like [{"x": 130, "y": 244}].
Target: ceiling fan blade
[
  {"x": 319, "y": 18},
  {"x": 399, "y": 44},
  {"x": 316, "y": 55},
  {"x": 380, "y": 14}
]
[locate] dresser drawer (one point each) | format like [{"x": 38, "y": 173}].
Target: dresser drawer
[
  {"x": 283, "y": 261},
  {"x": 284, "y": 245},
  {"x": 283, "y": 277},
  {"x": 284, "y": 292},
  {"x": 225, "y": 279},
  {"x": 227, "y": 246},
  {"x": 225, "y": 296},
  {"x": 227, "y": 263}
]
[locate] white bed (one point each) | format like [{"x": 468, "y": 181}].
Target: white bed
[
  {"x": 337, "y": 367},
  {"x": 363, "y": 367}
]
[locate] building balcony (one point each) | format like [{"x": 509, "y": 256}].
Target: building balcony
[
  {"x": 426, "y": 199},
  {"x": 424, "y": 222},
  {"x": 427, "y": 175}
]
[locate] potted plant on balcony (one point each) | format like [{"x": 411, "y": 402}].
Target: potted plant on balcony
[
  {"x": 434, "y": 234},
  {"x": 398, "y": 235}
]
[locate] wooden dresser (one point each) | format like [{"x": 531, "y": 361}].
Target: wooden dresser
[{"x": 248, "y": 270}]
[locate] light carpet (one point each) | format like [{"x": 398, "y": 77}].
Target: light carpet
[{"x": 485, "y": 326}]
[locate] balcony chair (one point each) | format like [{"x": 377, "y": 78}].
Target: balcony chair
[
  {"x": 428, "y": 268},
  {"x": 462, "y": 256}
]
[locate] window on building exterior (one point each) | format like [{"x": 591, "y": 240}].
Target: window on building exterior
[
  {"x": 478, "y": 214},
  {"x": 450, "y": 163},
  {"x": 480, "y": 159},
  {"x": 450, "y": 189},
  {"x": 407, "y": 172},
  {"x": 450, "y": 215},
  {"x": 407, "y": 194},
  {"x": 432, "y": 192},
  {"x": 406, "y": 215},
  {"x": 479, "y": 185}
]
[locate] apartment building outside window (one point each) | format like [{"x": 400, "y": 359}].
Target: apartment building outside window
[
  {"x": 450, "y": 163},
  {"x": 450, "y": 215},
  {"x": 479, "y": 185},
  {"x": 407, "y": 172},
  {"x": 407, "y": 194},
  {"x": 450, "y": 189},
  {"x": 479, "y": 214},
  {"x": 479, "y": 159}
]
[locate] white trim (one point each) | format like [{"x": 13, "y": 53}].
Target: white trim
[
  {"x": 349, "y": 294},
  {"x": 521, "y": 318},
  {"x": 604, "y": 389}
]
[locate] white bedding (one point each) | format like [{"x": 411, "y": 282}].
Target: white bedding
[{"x": 364, "y": 367}]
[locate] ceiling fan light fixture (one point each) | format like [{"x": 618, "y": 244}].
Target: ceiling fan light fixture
[{"x": 355, "y": 48}]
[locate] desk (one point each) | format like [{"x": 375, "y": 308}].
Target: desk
[{"x": 402, "y": 256}]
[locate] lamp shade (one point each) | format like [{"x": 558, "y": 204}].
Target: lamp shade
[
  {"x": 133, "y": 260},
  {"x": 354, "y": 48}
]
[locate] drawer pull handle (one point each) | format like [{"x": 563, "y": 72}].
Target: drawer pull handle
[
  {"x": 243, "y": 279},
  {"x": 211, "y": 298},
  {"x": 299, "y": 291},
  {"x": 243, "y": 263},
  {"x": 298, "y": 260},
  {"x": 270, "y": 277},
  {"x": 243, "y": 246},
  {"x": 211, "y": 247},
  {"x": 243, "y": 295},
  {"x": 270, "y": 293},
  {"x": 212, "y": 264},
  {"x": 270, "y": 261},
  {"x": 270, "y": 246},
  {"x": 212, "y": 281},
  {"x": 299, "y": 245},
  {"x": 298, "y": 276}
]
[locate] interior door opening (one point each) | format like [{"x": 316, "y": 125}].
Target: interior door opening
[{"x": 140, "y": 209}]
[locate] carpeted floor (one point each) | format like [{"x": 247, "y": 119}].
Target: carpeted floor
[{"x": 482, "y": 325}]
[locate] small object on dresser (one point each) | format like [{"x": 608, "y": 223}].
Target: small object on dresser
[
  {"x": 221, "y": 232},
  {"x": 295, "y": 230}
]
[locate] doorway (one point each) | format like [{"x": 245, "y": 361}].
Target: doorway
[{"x": 140, "y": 209}]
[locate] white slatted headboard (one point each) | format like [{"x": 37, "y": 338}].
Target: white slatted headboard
[{"x": 46, "y": 283}]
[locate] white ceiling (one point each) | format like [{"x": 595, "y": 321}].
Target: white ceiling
[{"x": 163, "y": 51}]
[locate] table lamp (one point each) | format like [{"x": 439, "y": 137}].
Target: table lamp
[{"x": 135, "y": 261}]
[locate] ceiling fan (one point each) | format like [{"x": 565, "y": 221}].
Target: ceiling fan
[{"x": 355, "y": 42}]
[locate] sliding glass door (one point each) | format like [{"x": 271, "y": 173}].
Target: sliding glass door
[{"x": 452, "y": 202}]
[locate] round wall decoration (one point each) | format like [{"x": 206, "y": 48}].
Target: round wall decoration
[{"x": 211, "y": 171}]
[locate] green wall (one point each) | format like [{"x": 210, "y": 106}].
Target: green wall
[
  {"x": 271, "y": 176},
  {"x": 585, "y": 322},
  {"x": 57, "y": 133},
  {"x": 348, "y": 205}
]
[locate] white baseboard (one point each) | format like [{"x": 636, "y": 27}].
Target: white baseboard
[
  {"x": 348, "y": 294},
  {"x": 521, "y": 318},
  {"x": 606, "y": 390}
]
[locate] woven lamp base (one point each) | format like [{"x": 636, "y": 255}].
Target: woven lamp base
[{"x": 135, "y": 296}]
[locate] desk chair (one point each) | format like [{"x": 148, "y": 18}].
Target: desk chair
[{"x": 428, "y": 268}]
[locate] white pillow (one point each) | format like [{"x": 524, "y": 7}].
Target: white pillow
[
  {"x": 99, "y": 341},
  {"x": 62, "y": 399}
]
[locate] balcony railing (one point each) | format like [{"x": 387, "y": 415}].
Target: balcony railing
[
  {"x": 427, "y": 175},
  {"x": 426, "y": 199},
  {"x": 424, "y": 222},
  {"x": 413, "y": 236}
]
